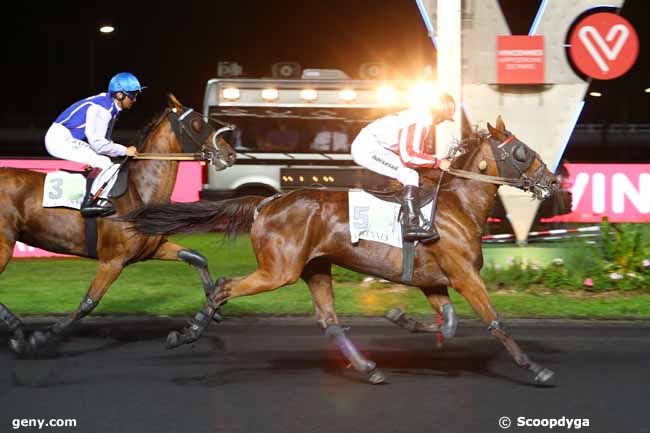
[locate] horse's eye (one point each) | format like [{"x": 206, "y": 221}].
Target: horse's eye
[
  {"x": 197, "y": 125},
  {"x": 520, "y": 154}
]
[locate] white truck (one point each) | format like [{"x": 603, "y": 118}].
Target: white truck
[{"x": 296, "y": 133}]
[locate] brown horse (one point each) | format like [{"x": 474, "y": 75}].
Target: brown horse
[
  {"x": 301, "y": 234},
  {"x": 23, "y": 218}
]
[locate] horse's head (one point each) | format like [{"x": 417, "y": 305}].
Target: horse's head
[
  {"x": 501, "y": 154},
  {"x": 195, "y": 134}
]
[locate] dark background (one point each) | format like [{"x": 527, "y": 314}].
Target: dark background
[{"x": 175, "y": 46}]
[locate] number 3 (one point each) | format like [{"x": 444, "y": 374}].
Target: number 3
[{"x": 56, "y": 192}]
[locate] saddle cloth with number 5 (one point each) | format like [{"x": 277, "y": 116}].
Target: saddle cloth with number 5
[{"x": 374, "y": 219}]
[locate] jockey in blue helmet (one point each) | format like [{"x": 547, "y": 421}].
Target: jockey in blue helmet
[{"x": 82, "y": 133}]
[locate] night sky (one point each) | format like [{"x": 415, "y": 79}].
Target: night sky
[{"x": 175, "y": 46}]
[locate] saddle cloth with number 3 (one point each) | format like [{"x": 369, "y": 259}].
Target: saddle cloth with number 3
[
  {"x": 374, "y": 219},
  {"x": 63, "y": 189}
]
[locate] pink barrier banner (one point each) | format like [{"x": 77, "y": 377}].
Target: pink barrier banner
[
  {"x": 620, "y": 192},
  {"x": 188, "y": 185}
]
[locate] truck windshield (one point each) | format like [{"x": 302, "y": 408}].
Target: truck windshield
[{"x": 296, "y": 130}]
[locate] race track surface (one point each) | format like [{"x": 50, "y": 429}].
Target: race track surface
[{"x": 282, "y": 375}]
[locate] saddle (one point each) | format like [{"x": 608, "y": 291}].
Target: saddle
[
  {"x": 395, "y": 195},
  {"x": 90, "y": 173},
  {"x": 67, "y": 188}
]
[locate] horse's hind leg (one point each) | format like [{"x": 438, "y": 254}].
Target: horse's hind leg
[
  {"x": 107, "y": 273},
  {"x": 13, "y": 323},
  {"x": 264, "y": 279},
  {"x": 472, "y": 288},
  {"x": 317, "y": 274},
  {"x": 172, "y": 251}
]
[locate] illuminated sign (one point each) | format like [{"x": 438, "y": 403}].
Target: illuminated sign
[
  {"x": 520, "y": 59},
  {"x": 604, "y": 46},
  {"x": 620, "y": 192}
]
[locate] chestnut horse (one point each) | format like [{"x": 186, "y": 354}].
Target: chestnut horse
[
  {"x": 301, "y": 233},
  {"x": 24, "y": 219}
]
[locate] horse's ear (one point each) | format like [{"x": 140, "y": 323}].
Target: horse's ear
[
  {"x": 173, "y": 102},
  {"x": 496, "y": 132},
  {"x": 500, "y": 125},
  {"x": 467, "y": 128}
]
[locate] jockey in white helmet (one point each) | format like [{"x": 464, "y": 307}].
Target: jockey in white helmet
[{"x": 394, "y": 145}]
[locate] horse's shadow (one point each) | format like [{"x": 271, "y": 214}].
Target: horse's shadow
[
  {"x": 480, "y": 357},
  {"x": 87, "y": 338},
  {"x": 405, "y": 357}
]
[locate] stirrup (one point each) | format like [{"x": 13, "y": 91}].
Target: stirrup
[
  {"x": 90, "y": 209},
  {"x": 412, "y": 236},
  {"x": 421, "y": 234}
]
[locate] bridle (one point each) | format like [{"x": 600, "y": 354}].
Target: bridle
[
  {"x": 513, "y": 159},
  {"x": 192, "y": 142}
]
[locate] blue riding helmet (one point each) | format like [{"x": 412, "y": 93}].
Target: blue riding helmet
[{"x": 125, "y": 82}]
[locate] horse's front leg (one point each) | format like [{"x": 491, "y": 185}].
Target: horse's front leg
[
  {"x": 172, "y": 251},
  {"x": 13, "y": 324},
  {"x": 15, "y": 327},
  {"x": 470, "y": 285},
  {"x": 446, "y": 322},
  {"x": 107, "y": 273}
]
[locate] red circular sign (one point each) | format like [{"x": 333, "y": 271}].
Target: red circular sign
[{"x": 604, "y": 46}]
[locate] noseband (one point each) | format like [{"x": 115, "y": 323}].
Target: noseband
[
  {"x": 514, "y": 158},
  {"x": 192, "y": 142}
]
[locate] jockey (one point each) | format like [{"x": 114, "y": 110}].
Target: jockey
[
  {"x": 394, "y": 145},
  {"x": 82, "y": 133}
]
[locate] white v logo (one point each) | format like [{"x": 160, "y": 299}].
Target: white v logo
[{"x": 587, "y": 33}]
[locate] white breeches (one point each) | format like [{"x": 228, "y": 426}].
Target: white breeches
[
  {"x": 61, "y": 144},
  {"x": 369, "y": 153}
]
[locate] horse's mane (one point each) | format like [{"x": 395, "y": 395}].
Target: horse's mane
[
  {"x": 144, "y": 132},
  {"x": 467, "y": 146}
]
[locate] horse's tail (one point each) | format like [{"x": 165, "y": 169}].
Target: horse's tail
[{"x": 230, "y": 216}]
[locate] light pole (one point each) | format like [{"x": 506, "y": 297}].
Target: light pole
[{"x": 105, "y": 29}]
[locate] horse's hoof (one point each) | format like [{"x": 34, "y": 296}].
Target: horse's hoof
[
  {"x": 394, "y": 315},
  {"x": 218, "y": 318},
  {"x": 440, "y": 340},
  {"x": 38, "y": 340},
  {"x": 173, "y": 340},
  {"x": 544, "y": 376},
  {"x": 18, "y": 346},
  {"x": 377, "y": 377}
]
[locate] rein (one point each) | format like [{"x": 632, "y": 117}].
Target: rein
[
  {"x": 524, "y": 182},
  {"x": 171, "y": 156},
  {"x": 498, "y": 180}
]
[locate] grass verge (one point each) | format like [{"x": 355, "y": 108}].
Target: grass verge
[{"x": 53, "y": 286}]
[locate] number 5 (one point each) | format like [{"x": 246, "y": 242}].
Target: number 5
[{"x": 360, "y": 219}]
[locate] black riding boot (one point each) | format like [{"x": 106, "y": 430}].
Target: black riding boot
[
  {"x": 413, "y": 231},
  {"x": 91, "y": 208}
]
